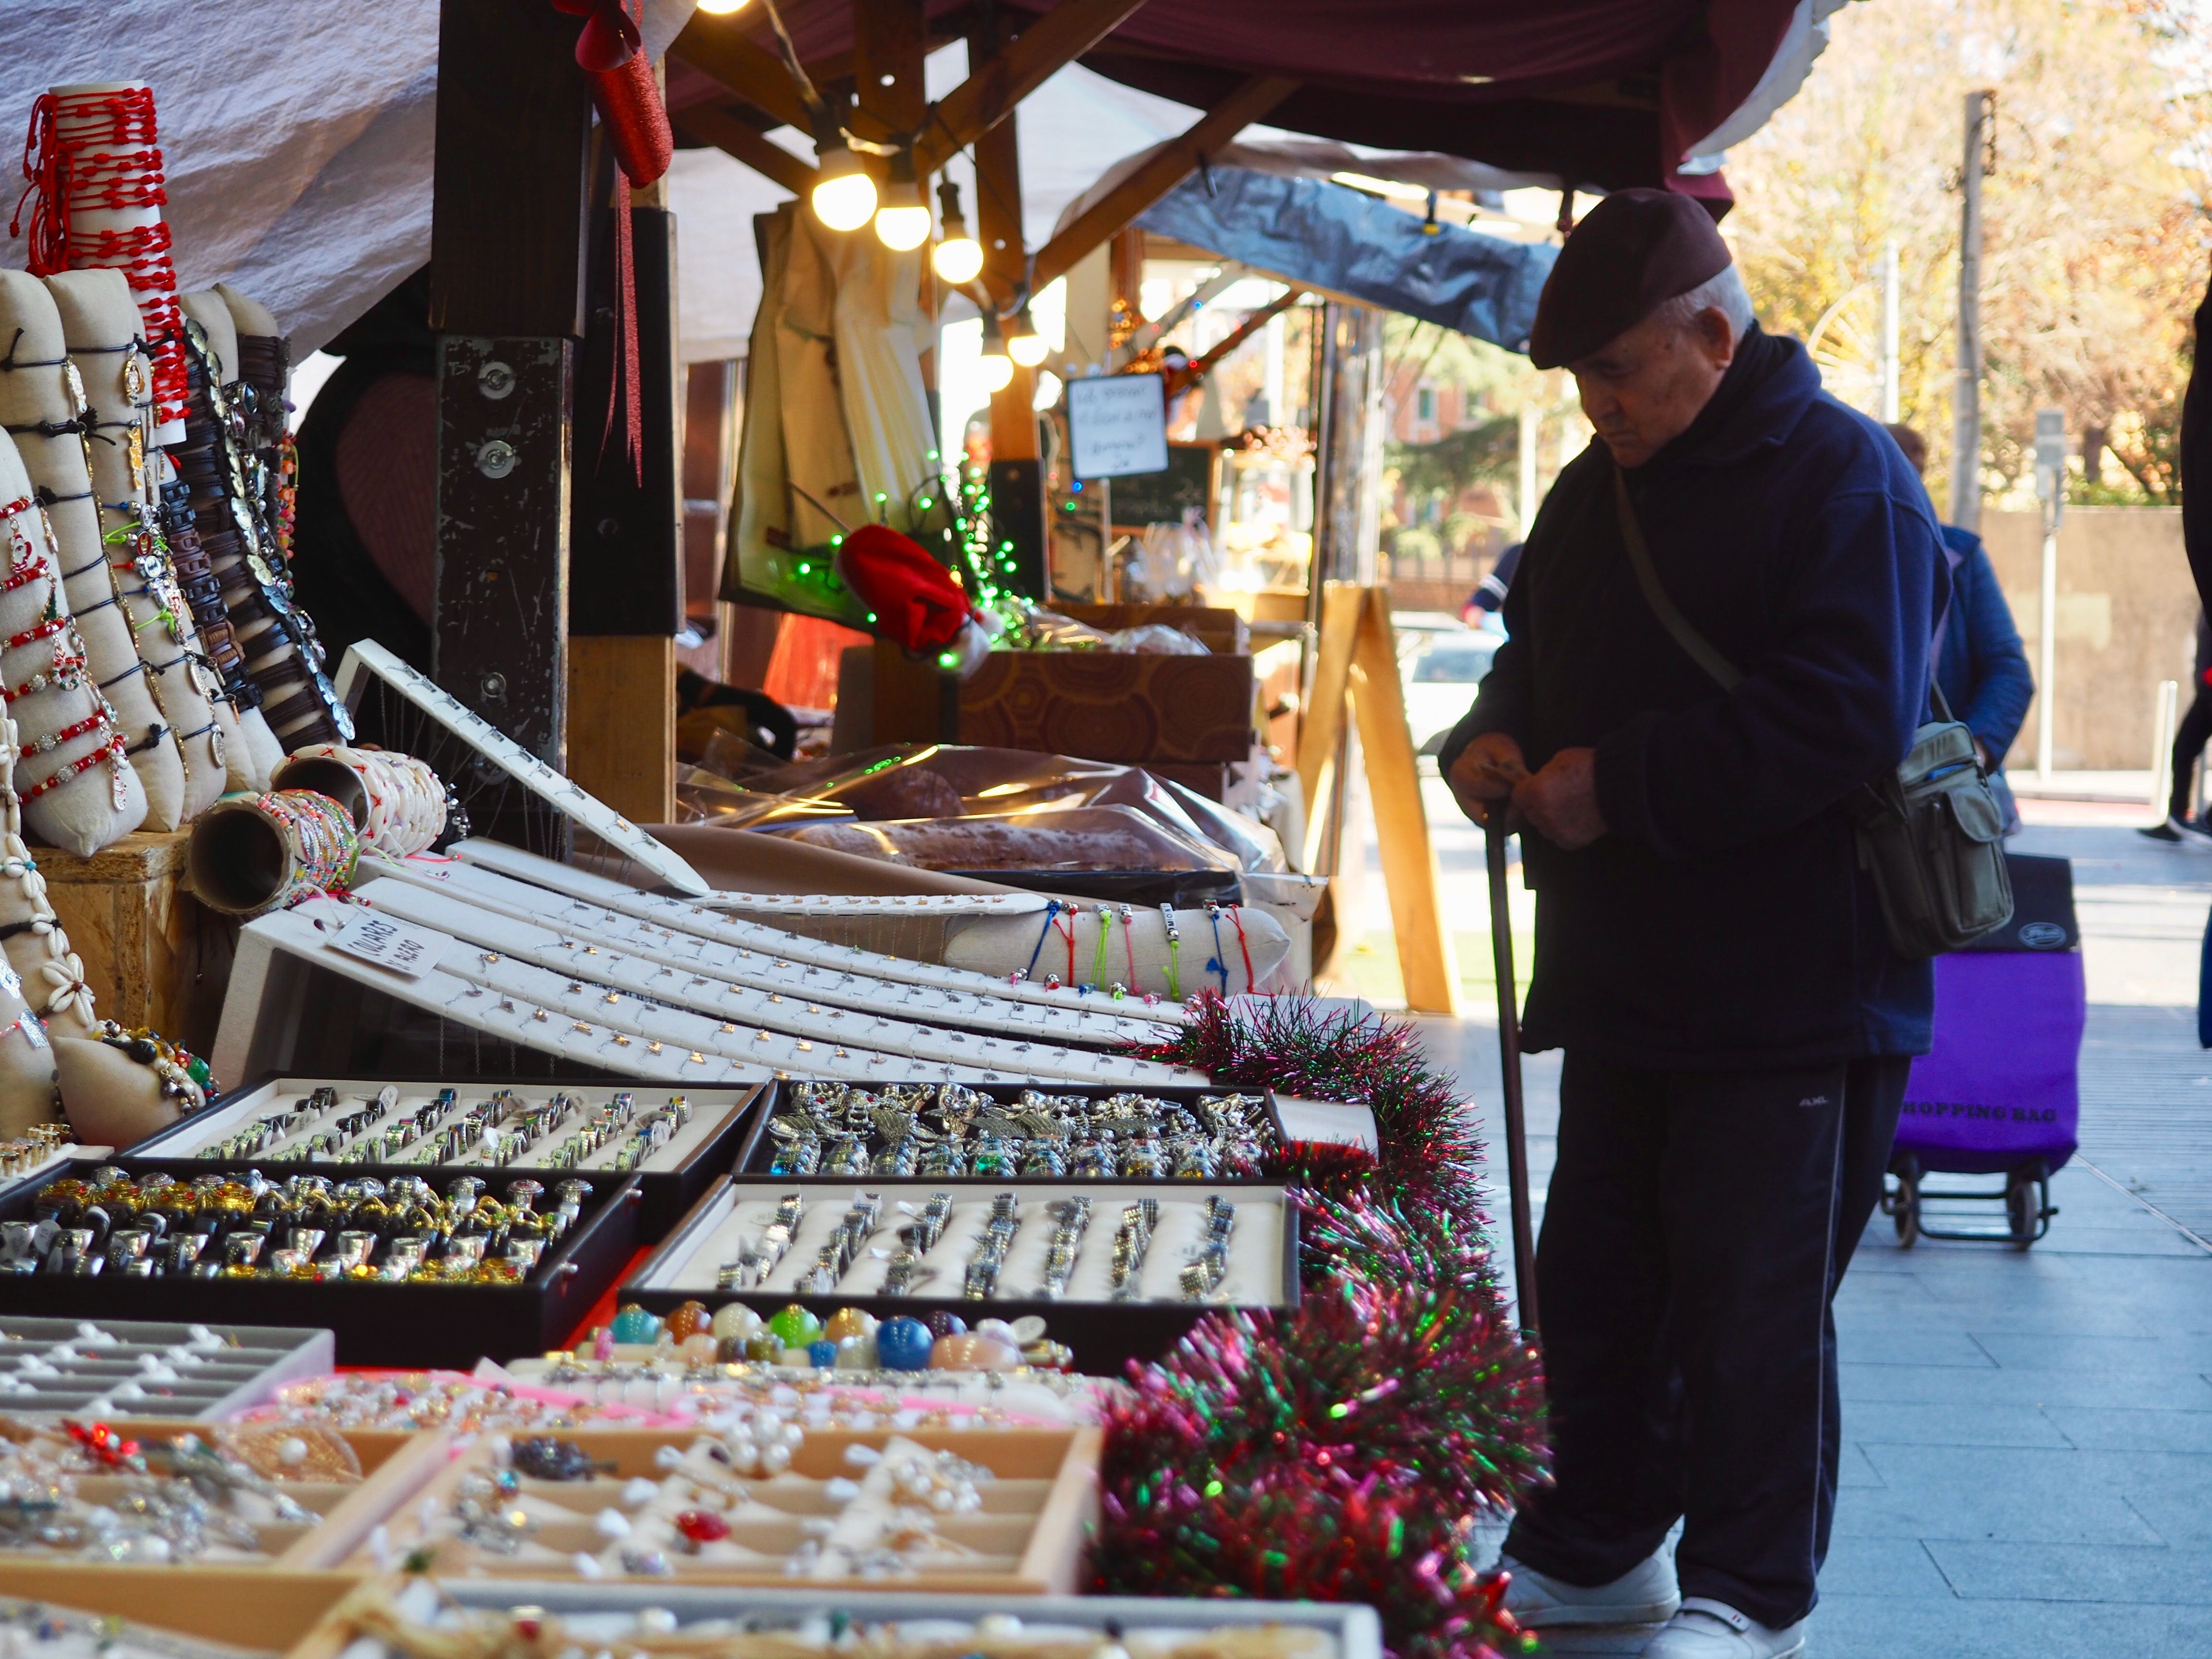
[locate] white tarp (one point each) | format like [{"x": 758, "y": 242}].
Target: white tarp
[{"x": 297, "y": 136}]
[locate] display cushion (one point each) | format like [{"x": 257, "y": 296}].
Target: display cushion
[
  {"x": 206, "y": 307},
  {"x": 101, "y": 804},
  {"x": 35, "y": 393},
  {"x": 247, "y": 314},
  {"x": 260, "y": 744},
  {"x": 1123, "y": 706},
  {"x": 99, "y": 319}
]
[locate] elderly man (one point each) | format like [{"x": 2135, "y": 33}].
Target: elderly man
[{"x": 1708, "y": 953}]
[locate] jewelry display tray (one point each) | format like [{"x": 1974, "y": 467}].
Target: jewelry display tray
[
  {"x": 1103, "y": 1334},
  {"x": 402, "y": 1325},
  {"x": 1028, "y": 1539},
  {"x": 1349, "y": 1630},
  {"x": 102, "y": 1369},
  {"x": 723, "y": 1126},
  {"x": 393, "y": 1468},
  {"x": 760, "y": 1146}
]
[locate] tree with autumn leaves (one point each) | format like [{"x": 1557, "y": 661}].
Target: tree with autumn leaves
[{"x": 2095, "y": 211}]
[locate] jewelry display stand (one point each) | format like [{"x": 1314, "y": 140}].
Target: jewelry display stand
[
  {"x": 1034, "y": 1492},
  {"x": 732, "y": 1220},
  {"x": 127, "y": 1368},
  {"x": 794, "y": 1623},
  {"x": 263, "y": 1124}
]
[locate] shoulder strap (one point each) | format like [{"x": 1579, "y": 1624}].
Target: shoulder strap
[{"x": 1700, "y": 649}]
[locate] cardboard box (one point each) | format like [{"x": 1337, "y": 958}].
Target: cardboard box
[{"x": 1128, "y": 707}]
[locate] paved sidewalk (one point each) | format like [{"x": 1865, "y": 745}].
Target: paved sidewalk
[{"x": 2027, "y": 1465}]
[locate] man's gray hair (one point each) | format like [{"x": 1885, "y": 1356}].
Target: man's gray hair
[{"x": 1724, "y": 292}]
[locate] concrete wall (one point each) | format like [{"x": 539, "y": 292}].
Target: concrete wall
[{"x": 2127, "y": 619}]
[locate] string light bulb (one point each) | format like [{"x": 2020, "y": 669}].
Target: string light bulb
[
  {"x": 844, "y": 196},
  {"x": 958, "y": 256},
  {"x": 721, "y": 8},
  {"x": 997, "y": 368},
  {"x": 902, "y": 220},
  {"x": 1023, "y": 343}
]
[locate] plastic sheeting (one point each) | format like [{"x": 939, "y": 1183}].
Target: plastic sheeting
[
  {"x": 297, "y": 138},
  {"x": 1346, "y": 240}
]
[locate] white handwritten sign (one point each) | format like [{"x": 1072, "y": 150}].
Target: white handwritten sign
[
  {"x": 400, "y": 945},
  {"x": 1117, "y": 424}
]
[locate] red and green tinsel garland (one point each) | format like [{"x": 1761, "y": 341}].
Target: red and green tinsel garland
[{"x": 1343, "y": 1452}]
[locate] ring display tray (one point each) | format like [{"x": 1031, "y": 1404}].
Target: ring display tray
[
  {"x": 1018, "y": 1528},
  {"x": 791, "y": 1623},
  {"x": 340, "y": 1514},
  {"x": 670, "y": 1177},
  {"x": 405, "y": 1324},
  {"x": 706, "y": 1259},
  {"x": 1116, "y": 1147},
  {"x": 241, "y": 1610},
  {"x": 93, "y": 1368}
]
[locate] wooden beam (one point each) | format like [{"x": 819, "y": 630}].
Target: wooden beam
[
  {"x": 733, "y": 136},
  {"x": 717, "y": 47},
  {"x": 993, "y": 89},
  {"x": 1200, "y": 368},
  {"x": 1321, "y": 728},
  {"x": 720, "y": 48},
  {"x": 1166, "y": 169},
  {"x": 1426, "y": 961},
  {"x": 890, "y": 40}
]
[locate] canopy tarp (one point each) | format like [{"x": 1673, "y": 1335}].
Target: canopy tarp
[{"x": 1597, "y": 93}]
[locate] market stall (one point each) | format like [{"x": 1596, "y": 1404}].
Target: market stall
[{"x": 451, "y": 1210}]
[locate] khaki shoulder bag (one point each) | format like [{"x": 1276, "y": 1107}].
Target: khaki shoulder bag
[{"x": 1930, "y": 831}]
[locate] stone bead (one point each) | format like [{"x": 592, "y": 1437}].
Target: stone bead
[
  {"x": 689, "y": 1321},
  {"x": 845, "y": 1322},
  {"x": 734, "y": 1319},
  {"x": 944, "y": 1322},
  {"x": 903, "y": 1344},
  {"x": 795, "y": 1326},
  {"x": 633, "y": 1325},
  {"x": 857, "y": 1353},
  {"x": 821, "y": 1352}
]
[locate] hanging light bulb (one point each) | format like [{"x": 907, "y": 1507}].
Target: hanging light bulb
[
  {"x": 844, "y": 196},
  {"x": 958, "y": 258},
  {"x": 720, "y": 8},
  {"x": 902, "y": 220},
  {"x": 998, "y": 368},
  {"x": 1023, "y": 343}
]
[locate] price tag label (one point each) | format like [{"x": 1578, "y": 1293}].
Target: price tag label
[{"x": 400, "y": 945}]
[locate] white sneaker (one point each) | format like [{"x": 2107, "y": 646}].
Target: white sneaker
[
  {"x": 1644, "y": 1594},
  {"x": 1705, "y": 1629}
]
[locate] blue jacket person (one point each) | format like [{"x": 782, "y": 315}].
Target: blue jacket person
[{"x": 1709, "y": 955}]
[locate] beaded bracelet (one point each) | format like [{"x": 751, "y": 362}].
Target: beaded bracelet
[
  {"x": 1174, "y": 950},
  {"x": 112, "y": 750}
]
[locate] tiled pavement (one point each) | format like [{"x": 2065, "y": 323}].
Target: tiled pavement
[{"x": 2028, "y": 1459}]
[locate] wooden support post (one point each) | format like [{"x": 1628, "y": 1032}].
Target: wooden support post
[
  {"x": 507, "y": 294},
  {"x": 1018, "y": 504},
  {"x": 705, "y": 125},
  {"x": 1321, "y": 734},
  {"x": 996, "y": 84},
  {"x": 890, "y": 38},
  {"x": 622, "y": 746},
  {"x": 1427, "y": 963}
]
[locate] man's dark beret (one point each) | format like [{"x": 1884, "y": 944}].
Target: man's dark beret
[{"x": 1635, "y": 250}]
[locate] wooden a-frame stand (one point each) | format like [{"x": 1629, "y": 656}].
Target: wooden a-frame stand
[{"x": 1357, "y": 662}]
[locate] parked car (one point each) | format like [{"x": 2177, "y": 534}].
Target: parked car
[{"x": 1440, "y": 681}]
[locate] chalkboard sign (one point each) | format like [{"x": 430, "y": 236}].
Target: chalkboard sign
[{"x": 1149, "y": 498}]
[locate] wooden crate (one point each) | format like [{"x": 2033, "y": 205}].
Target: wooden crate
[
  {"x": 1030, "y": 1534},
  {"x": 153, "y": 954},
  {"x": 244, "y": 1606},
  {"x": 394, "y": 1466}
]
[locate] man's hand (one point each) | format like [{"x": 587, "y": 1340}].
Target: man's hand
[
  {"x": 1485, "y": 774},
  {"x": 1560, "y": 802}
]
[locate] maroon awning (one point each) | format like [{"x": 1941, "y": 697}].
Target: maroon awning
[{"x": 1608, "y": 93}]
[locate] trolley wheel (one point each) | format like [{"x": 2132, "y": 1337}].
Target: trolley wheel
[
  {"x": 1904, "y": 1204},
  {"x": 2027, "y": 1205}
]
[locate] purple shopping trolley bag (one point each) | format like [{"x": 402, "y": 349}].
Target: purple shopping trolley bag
[{"x": 2001, "y": 1089}]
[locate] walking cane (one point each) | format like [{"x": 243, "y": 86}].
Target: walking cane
[{"x": 1509, "y": 1061}]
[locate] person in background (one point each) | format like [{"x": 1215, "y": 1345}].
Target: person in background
[
  {"x": 2195, "y": 730},
  {"x": 1483, "y": 605},
  {"x": 1979, "y": 661}
]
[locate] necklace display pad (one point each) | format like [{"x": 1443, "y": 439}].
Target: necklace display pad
[
  {"x": 781, "y": 997},
  {"x": 484, "y": 867}
]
